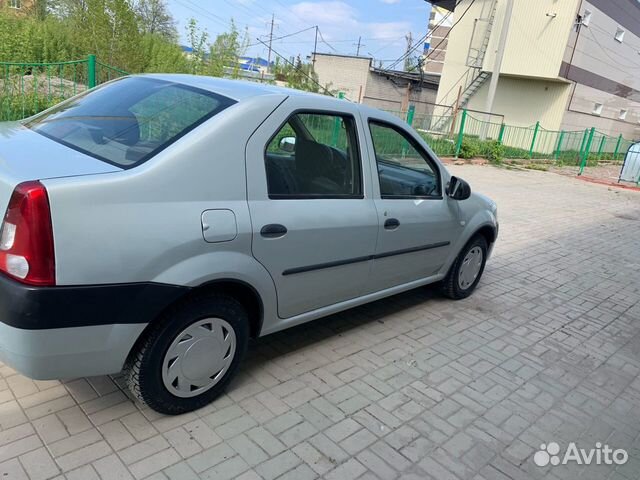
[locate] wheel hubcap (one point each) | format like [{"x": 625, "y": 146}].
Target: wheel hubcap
[
  {"x": 470, "y": 268},
  {"x": 199, "y": 357}
]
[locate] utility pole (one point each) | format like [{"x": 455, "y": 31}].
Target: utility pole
[
  {"x": 315, "y": 49},
  {"x": 495, "y": 75},
  {"x": 407, "y": 60},
  {"x": 360, "y": 45},
  {"x": 273, "y": 17}
]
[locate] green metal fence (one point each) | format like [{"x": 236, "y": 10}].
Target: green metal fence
[
  {"x": 468, "y": 134},
  {"x": 28, "y": 88}
]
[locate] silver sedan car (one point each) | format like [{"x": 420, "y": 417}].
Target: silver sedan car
[{"x": 157, "y": 223}]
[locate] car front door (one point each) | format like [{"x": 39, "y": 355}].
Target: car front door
[
  {"x": 314, "y": 222},
  {"x": 416, "y": 222}
]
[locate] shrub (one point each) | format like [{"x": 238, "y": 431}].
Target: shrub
[
  {"x": 470, "y": 148},
  {"x": 495, "y": 151}
]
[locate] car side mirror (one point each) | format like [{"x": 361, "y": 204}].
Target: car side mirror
[
  {"x": 288, "y": 144},
  {"x": 458, "y": 189}
]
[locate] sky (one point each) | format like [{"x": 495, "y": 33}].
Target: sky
[{"x": 382, "y": 24}]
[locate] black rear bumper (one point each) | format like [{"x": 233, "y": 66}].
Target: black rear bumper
[{"x": 37, "y": 308}]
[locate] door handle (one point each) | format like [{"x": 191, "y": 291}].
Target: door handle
[
  {"x": 391, "y": 224},
  {"x": 273, "y": 230}
]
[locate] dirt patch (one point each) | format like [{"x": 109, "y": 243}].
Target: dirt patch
[
  {"x": 461, "y": 161},
  {"x": 603, "y": 174}
]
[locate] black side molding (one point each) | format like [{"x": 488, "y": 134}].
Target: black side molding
[
  {"x": 320, "y": 266},
  {"x": 38, "y": 308},
  {"x": 339, "y": 263},
  {"x": 411, "y": 250}
]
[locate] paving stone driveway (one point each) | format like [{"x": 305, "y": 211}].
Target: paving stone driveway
[{"x": 416, "y": 386}]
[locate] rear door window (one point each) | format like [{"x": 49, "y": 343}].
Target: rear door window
[{"x": 128, "y": 121}]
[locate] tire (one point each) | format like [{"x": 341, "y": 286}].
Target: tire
[
  {"x": 453, "y": 286},
  {"x": 194, "y": 333}
]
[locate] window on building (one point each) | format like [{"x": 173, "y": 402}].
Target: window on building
[
  {"x": 15, "y": 4},
  {"x": 586, "y": 18},
  {"x": 597, "y": 109},
  {"x": 619, "y": 35},
  {"x": 623, "y": 114}
]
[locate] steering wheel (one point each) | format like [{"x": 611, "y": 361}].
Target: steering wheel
[{"x": 423, "y": 190}]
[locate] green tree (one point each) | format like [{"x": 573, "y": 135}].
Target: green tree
[
  {"x": 107, "y": 28},
  {"x": 162, "y": 56},
  {"x": 197, "y": 41},
  {"x": 299, "y": 75},
  {"x": 226, "y": 50},
  {"x": 40, "y": 9},
  {"x": 154, "y": 18}
]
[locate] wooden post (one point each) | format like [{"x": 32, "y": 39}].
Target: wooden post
[
  {"x": 455, "y": 111},
  {"x": 407, "y": 98}
]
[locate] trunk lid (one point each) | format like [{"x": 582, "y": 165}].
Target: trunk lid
[{"x": 26, "y": 155}]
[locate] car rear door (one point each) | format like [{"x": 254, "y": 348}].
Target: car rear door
[
  {"x": 313, "y": 219},
  {"x": 416, "y": 222}
]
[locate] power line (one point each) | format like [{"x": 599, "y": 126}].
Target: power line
[
  {"x": 434, "y": 28},
  {"x": 304, "y": 73},
  {"x": 287, "y": 36},
  {"x": 245, "y": 9},
  {"x": 422, "y": 39},
  {"x": 325, "y": 42},
  {"x": 288, "y": 9},
  {"x": 604, "y": 50},
  {"x": 200, "y": 11},
  {"x": 353, "y": 41},
  {"x": 190, "y": 5},
  {"x": 295, "y": 33}
]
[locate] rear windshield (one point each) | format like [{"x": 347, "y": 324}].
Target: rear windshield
[{"x": 128, "y": 121}]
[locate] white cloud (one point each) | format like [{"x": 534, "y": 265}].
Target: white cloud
[
  {"x": 387, "y": 30},
  {"x": 390, "y": 2},
  {"x": 328, "y": 15},
  {"x": 338, "y": 21}
]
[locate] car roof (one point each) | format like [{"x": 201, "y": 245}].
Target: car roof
[
  {"x": 234, "y": 89},
  {"x": 240, "y": 90}
]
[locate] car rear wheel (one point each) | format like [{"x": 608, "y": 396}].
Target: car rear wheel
[
  {"x": 465, "y": 273},
  {"x": 188, "y": 358}
]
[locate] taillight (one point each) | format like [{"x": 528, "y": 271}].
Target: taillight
[{"x": 26, "y": 239}]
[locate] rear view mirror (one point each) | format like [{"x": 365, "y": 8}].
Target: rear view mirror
[
  {"x": 458, "y": 189},
  {"x": 288, "y": 144}
]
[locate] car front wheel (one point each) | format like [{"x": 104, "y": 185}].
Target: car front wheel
[
  {"x": 189, "y": 357},
  {"x": 465, "y": 273}
]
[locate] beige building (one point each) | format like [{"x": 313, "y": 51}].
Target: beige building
[
  {"x": 361, "y": 82},
  {"x": 570, "y": 64}
]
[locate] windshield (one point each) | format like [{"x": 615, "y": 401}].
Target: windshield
[{"x": 130, "y": 120}]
